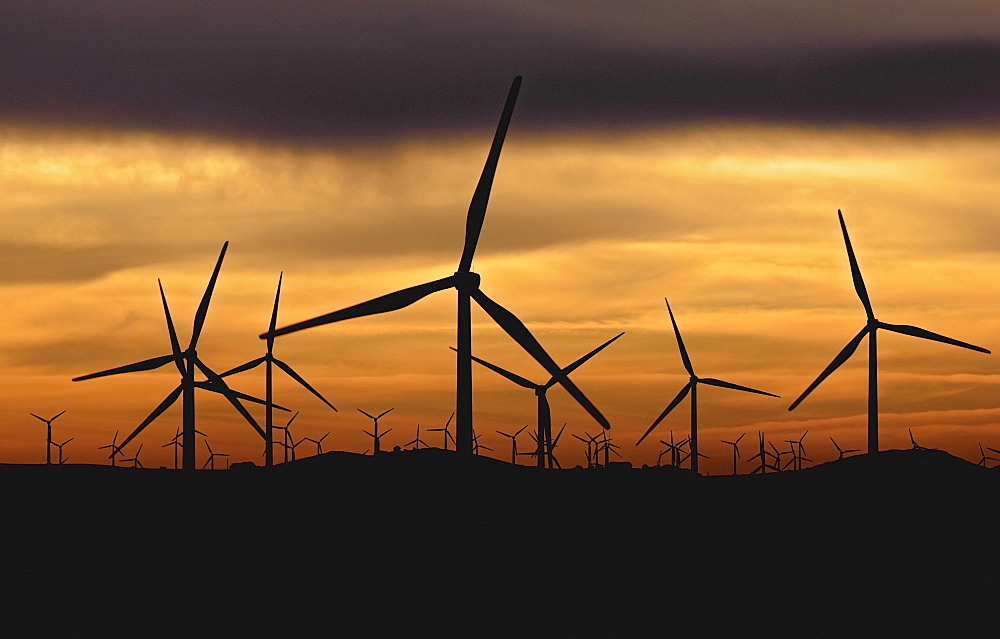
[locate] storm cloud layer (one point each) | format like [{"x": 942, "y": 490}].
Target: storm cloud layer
[{"x": 328, "y": 71}]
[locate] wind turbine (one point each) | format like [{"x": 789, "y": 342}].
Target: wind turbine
[
  {"x": 692, "y": 387},
  {"x": 762, "y": 455},
  {"x": 286, "y": 442},
  {"x": 376, "y": 436},
  {"x": 983, "y": 457},
  {"x": 870, "y": 329},
  {"x": 513, "y": 443},
  {"x": 115, "y": 450},
  {"x": 186, "y": 361},
  {"x": 270, "y": 361},
  {"x": 60, "y": 447},
  {"x": 318, "y": 442},
  {"x": 211, "y": 456},
  {"x": 135, "y": 460},
  {"x": 447, "y": 433},
  {"x": 914, "y": 443},
  {"x": 841, "y": 452},
  {"x": 544, "y": 413},
  {"x": 48, "y": 435},
  {"x": 466, "y": 283},
  {"x": 417, "y": 441},
  {"x": 736, "y": 450}
]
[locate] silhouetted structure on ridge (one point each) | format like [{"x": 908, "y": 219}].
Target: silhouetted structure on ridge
[
  {"x": 871, "y": 329},
  {"x": 842, "y": 452},
  {"x": 60, "y": 447},
  {"x": 466, "y": 283},
  {"x": 736, "y": 450},
  {"x": 544, "y": 442},
  {"x": 692, "y": 387},
  {"x": 513, "y": 442},
  {"x": 48, "y": 434},
  {"x": 186, "y": 361},
  {"x": 270, "y": 361},
  {"x": 117, "y": 451},
  {"x": 376, "y": 435},
  {"x": 447, "y": 433}
]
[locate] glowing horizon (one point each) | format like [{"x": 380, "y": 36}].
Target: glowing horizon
[{"x": 586, "y": 234}]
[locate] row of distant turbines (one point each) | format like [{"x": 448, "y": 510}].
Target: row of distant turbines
[{"x": 467, "y": 286}]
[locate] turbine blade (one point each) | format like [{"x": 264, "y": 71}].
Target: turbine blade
[
  {"x": 935, "y": 337},
  {"x": 680, "y": 342},
  {"x": 144, "y": 365},
  {"x": 481, "y": 196},
  {"x": 164, "y": 405},
  {"x": 575, "y": 365},
  {"x": 199, "y": 316},
  {"x": 211, "y": 386},
  {"x": 721, "y": 384},
  {"x": 363, "y": 413},
  {"x": 175, "y": 345},
  {"x": 520, "y": 333},
  {"x": 386, "y": 412},
  {"x": 514, "y": 377},
  {"x": 384, "y": 304},
  {"x": 244, "y": 367},
  {"x": 274, "y": 315},
  {"x": 230, "y": 394},
  {"x": 291, "y": 373},
  {"x": 666, "y": 411},
  {"x": 841, "y": 357},
  {"x": 859, "y": 284}
]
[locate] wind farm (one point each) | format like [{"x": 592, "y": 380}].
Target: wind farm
[{"x": 456, "y": 495}]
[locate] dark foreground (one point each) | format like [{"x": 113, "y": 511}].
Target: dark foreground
[{"x": 426, "y": 544}]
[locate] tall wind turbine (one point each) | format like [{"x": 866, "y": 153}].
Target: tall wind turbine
[
  {"x": 692, "y": 387},
  {"x": 48, "y": 435},
  {"x": 466, "y": 283},
  {"x": 870, "y": 329},
  {"x": 117, "y": 451},
  {"x": 376, "y": 435},
  {"x": 544, "y": 413},
  {"x": 186, "y": 361},
  {"x": 270, "y": 361}
]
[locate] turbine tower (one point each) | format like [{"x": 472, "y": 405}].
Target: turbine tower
[
  {"x": 270, "y": 361},
  {"x": 376, "y": 435},
  {"x": 870, "y": 329},
  {"x": 48, "y": 435},
  {"x": 544, "y": 444},
  {"x": 692, "y": 387},
  {"x": 466, "y": 283},
  {"x": 186, "y": 361}
]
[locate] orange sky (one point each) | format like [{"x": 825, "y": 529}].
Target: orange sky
[{"x": 585, "y": 236}]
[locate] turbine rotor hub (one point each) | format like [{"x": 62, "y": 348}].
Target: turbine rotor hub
[{"x": 466, "y": 281}]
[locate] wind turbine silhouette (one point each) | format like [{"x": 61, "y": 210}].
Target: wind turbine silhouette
[
  {"x": 48, "y": 435},
  {"x": 736, "y": 450},
  {"x": 115, "y": 450},
  {"x": 211, "y": 456},
  {"x": 319, "y": 443},
  {"x": 544, "y": 413},
  {"x": 376, "y": 436},
  {"x": 841, "y": 452},
  {"x": 135, "y": 460},
  {"x": 270, "y": 361},
  {"x": 447, "y": 433},
  {"x": 914, "y": 443},
  {"x": 60, "y": 447},
  {"x": 466, "y": 283},
  {"x": 692, "y": 387},
  {"x": 286, "y": 441},
  {"x": 983, "y": 457},
  {"x": 870, "y": 329},
  {"x": 513, "y": 443},
  {"x": 417, "y": 441},
  {"x": 186, "y": 361}
]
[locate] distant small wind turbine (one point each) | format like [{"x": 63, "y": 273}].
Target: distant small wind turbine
[
  {"x": 115, "y": 450},
  {"x": 513, "y": 442},
  {"x": 983, "y": 457},
  {"x": 417, "y": 441},
  {"x": 762, "y": 456},
  {"x": 48, "y": 435},
  {"x": 376, "y": 435},
  {"x": 135, "y": 459},
  {"x": 60, "y": 447},
  {"x": 447, "y": 434},
  {"x": 841, "y": 452},
  {"x": 736, "y": 450},
  {"x": 913, "y": 442},
  {"x": 692, "y": 387},
  {"x": 210, "y": 462},
  {"x": 318, "y": 442},
  {"x": 286, "y": 441},
  {"x": 871, "y": 329}
]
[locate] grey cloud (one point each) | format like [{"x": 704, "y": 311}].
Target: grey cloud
[{"x": 322, "y": 72}]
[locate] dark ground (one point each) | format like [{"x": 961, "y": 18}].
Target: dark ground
[{"x": 427, "y": 544}]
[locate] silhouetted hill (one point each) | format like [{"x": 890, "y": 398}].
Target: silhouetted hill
[{"x": 427, "y": 543}]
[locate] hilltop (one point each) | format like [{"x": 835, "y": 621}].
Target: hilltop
[{"x": 426, "y": 543}]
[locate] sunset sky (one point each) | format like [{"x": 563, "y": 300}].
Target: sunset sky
[{"x": 698, "y": 153}]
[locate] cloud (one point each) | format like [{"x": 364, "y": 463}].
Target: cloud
[{"x": 339, "y": 71}]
